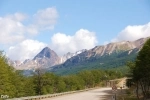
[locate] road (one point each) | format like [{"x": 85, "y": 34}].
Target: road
[{"x": 97, "y": 94}]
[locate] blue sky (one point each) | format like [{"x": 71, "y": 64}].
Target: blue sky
[{"x": 99, "y": 21}]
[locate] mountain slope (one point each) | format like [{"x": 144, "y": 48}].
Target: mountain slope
[
  {"x": 70, "y": 55},
  {"x": 105, "y": 56},
  {"x": 108, "y": 56},
  {"x": 45, "y": 58}
]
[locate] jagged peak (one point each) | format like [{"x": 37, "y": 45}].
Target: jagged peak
[
  {"x": 45, "y": 52},
  {"x": 46, "y": 48}
]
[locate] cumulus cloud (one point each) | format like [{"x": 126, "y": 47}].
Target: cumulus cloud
[
  {"x": 46, "y": 18},
  {"x": 13, "y": 29},
  {"x": 82, "y": 39},
  {"x": 131, "y": 33},
  {"x": 27, "y": 49},
  {"x": 17, "y": 16}
]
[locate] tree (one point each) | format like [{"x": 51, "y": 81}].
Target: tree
[
  {"x": 133, "y": 74},
  {"x": 48, "y": 83},
  {"x": 29, "y": 86},
  {"x": 38, "y": 80},
  {"x": 6, "y": 74},
  {"x": 141, "y": 70},
  {"x": 60, "y": 85},
  {"x": 88, "y": 78}
]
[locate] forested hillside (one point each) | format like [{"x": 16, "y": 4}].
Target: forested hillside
[{"x": 111, "y": 62}]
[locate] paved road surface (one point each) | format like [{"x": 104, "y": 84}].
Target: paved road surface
[{"x": 97, "y": 94}]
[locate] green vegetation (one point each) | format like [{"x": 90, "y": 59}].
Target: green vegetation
[
  {"x": 114, "y": 61},
  {"x": 10, "y": 81},
  {"x": 45, "y": 83},
  {"x": 14, "y": 84},
  {"x": 140, "y": 73}
]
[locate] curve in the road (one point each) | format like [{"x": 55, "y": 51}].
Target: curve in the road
[{"x": 97, "y": 94}]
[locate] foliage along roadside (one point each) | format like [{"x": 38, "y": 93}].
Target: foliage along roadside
[
  {"x": 140, "y": 73},
  {"x": 14, "y": 84}
]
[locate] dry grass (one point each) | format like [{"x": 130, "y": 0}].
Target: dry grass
[{"x": 126, "y": 94}]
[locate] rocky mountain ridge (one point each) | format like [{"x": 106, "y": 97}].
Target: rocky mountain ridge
[
  {"x": 116, "y": 47},
  {"x": 69, "y": 55},
  {"x": 48, "y": 58}
]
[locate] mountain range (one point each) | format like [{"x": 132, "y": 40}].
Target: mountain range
[
  {"x": 44, "y": 59},
  {"x": 103, "y": 56}
]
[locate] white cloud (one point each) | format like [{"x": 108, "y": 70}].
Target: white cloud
[
  {"x": 17, "y": 16},
  {"x": 46, "y": 19},
  {"x": 13, "y": 29},
  {"x": 25, "y": 50},
  {"x": 131, "y": 33},
  {"x": 82, "y": 39}
]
